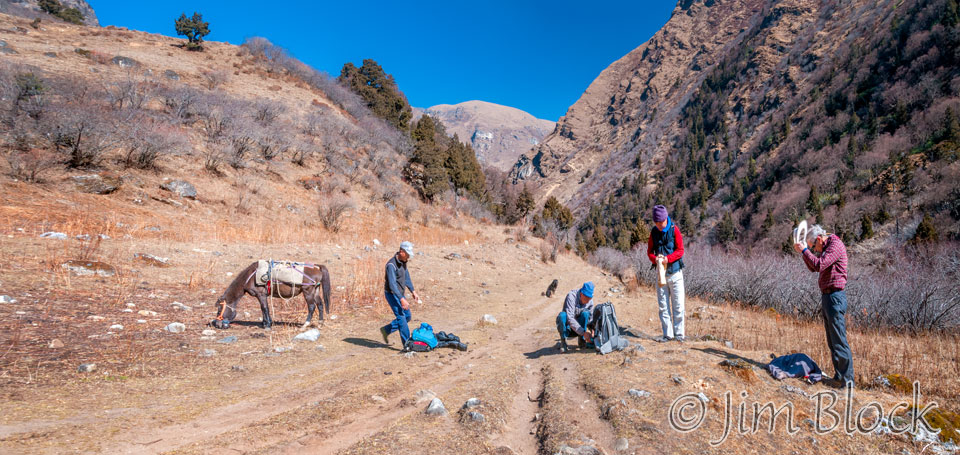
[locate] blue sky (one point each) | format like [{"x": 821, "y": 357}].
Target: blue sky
[{"x": 535, "y": 56}]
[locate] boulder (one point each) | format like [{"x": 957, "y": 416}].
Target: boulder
[
  {"x": 89, "y": 268},
  {"x": 125, "y": 62},
  {"x": 476, "y": 416},
  {"x": 309, "y": 335},
  {"x": 436, "y": 407},
  {"x": 96, "y": 183},
  {"x": 180, "y": 188},
  {"x": 175, "y": 327},
  {"x": 172, "y": 75},
  {"x": 471, "y": 403},
  {"x": 87, "y": 368}
]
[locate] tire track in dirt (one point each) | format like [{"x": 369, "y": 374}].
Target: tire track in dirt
[{"x": 372, "y": 422}]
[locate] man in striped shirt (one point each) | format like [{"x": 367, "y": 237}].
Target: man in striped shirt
[{"x": 830, "y": 261}]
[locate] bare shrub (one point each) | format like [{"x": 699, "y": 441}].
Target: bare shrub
[
  {"x": 130, "y": 93},
  {"x": 331, "y": 211},
  {"x": 179, "y": 101},
  {"x": 265, "y": 111},
  {"x": 549, "y": 247},
  {"x": 213, "y": 79},
  {"x": 145, "y": 144},
  {"x": 84, "y": 133},
  {"x": 611, "y": 260},
  {"x": 29, "y": 165}
]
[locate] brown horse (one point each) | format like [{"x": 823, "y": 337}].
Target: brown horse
[{"x": 316, "y": 278}]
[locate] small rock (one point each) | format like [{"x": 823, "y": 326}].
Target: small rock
[
  {"x": 702, "y": 397},
  {"x": 436, "y": 407},
  {"x": 209, "y": 333},
  {"x": 227, "y": 340},
  {"x": 471, "y": 403},
  {"x": 151, "y": 260},
  {"x": 488, "y": 319},
  {"x": 89, "y": 268},
  {"x": 425, "y": 395},
  {"x": 378, "y": 398},
  {"x": 728, "y": 344},
  {"x": 131, "y": 305},
  {"x": 321, "y": 348},
  {"x": 238, "y": 368},
  {"x": 181, "y": 188},
  {"x": 678, "y": 379},
  {"x": 172, "y": 75},
  {"x": 116, "y": 327},
  {"x": 87, "y": 368},
  {"x": 281, "y": 349},
  {"x": 409, "y": 355},
  {"x": 175, "y": 327},
  {"x": 476, "y": 416},
  {"x": 95, "y": 317},
  {"x": 7, "y": 299},
  {"x": 376, "y": 242},
  {"x": 8, "y": 50},
  {"x": 141, "y": 321},
  {"x": 50, "y": 54},
  {"x": 638, "y": 393},
  {"x": 621, "y": 445},
  {"x": 639, "y": 348},
  {"x": 792, "y": 389},
  {"x": 309, "y": 335},
  {"x": 53, "y": 235},
  {"x": 126, "y": 310},
  {"x": 180, "y": 306},
  {"x": 147, "y": 313},
  {"x": 207, "y": 353},
  {"x": 55, "y": 344}
]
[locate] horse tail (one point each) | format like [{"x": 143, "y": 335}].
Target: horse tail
[{"x": 325, "y": 283}]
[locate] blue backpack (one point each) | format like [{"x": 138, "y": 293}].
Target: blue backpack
[{"x": 425, "y": 334}]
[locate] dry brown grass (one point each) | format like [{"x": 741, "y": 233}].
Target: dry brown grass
[{"x": 932, "y": 359}]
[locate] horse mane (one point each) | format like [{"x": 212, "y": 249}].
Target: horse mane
[{"x": 235, "y": 289}]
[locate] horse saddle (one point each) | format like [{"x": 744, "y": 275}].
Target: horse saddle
[{"x": 286, "y": 272}]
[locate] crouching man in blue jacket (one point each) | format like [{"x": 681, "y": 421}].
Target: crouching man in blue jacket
[{"x": 576, "y": 314}]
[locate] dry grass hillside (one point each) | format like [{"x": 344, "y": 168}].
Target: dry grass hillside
[{"x": 93, "y": 296}]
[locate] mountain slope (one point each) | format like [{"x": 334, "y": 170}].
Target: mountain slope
[
  {"x": 743, "y": 117},
  {"x": 31, "y": 8},
  {"x": 499, "y": 134}
]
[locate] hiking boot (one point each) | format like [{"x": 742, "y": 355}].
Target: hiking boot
[
  {"x": 680, "y": 338},
  {"x": 461, "y": 346},
  {"x": 662, "y": 339},
  {"x": 383, "y": 331}
]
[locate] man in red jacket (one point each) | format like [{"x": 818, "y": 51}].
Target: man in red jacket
[{"x": 666, "y": 245}]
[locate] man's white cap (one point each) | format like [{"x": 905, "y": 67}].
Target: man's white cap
[{"x": 408, "y": 247}]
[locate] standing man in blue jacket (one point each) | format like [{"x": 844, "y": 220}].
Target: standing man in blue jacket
[{"x": 396, "y": 282}]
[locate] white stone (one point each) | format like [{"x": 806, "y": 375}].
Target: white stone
[
  {"x": 175, "y": 327},
  {"x": 376, "y": 242},
  {"x": 309, "y": 335},
  {"x": 141, "y": 321},
  {"x": 94, "y": 317},
  {"x": 147, "y": 313},
  {"x": 7, "y": 299},
  {"x": 54, "y": 235},
  {"x": 180, "y": 306},
  {"x": 489, "y": 319},
  {"x": 116, "y": 327},
  {"x": 208, "y": 332}
]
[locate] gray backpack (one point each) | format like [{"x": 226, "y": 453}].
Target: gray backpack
[{"x": 607, "y": 337}]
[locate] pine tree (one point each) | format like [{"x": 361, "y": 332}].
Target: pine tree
[
  {"x": 926, "y": 231},
  {"x": 768, "y": 222},
  {"x": 813, "y": 204},
  {"x": 194, "y": 28},
  {"x": 525, "y": 202},
  {"x": 379, "y": 90},
  {"x": 951, "y": 127},
  {"x": 866, "y": 227},
  {"x": 427, "y": 153},
  {"x": 726, "y": 230}
]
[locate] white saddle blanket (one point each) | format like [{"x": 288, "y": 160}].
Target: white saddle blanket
[{"x": 287, "y": 272}]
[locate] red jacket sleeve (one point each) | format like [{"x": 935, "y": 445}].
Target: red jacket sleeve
[
  {"x": 653, "y": 257},
  {"x": 678, "y": 246}
]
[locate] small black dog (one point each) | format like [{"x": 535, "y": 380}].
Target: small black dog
[{"x": 552, "y": 288}]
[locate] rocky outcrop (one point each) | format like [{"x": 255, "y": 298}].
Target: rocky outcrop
[
  {"x": 498, "y": 134},
  {"x": 633, "y": 104},
  {"x": 20, "y": 7}
]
